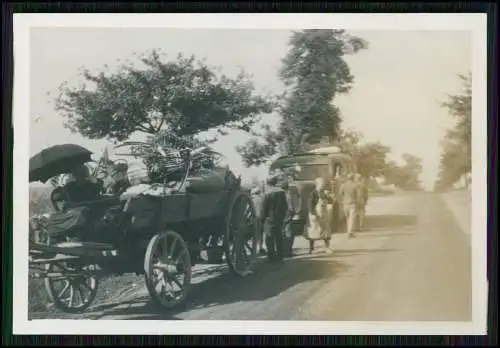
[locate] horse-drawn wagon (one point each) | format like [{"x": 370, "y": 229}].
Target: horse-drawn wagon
[{"x": 161, "y": 232}]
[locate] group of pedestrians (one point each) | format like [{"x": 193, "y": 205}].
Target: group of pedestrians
[{"x": 279, "y": 207}]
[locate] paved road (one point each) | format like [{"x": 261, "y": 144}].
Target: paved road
[{"x": 414, "y": 263}]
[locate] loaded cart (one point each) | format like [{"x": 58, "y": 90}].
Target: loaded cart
[{"x": 161, "y": 231}]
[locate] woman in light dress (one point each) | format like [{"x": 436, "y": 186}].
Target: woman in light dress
[{"x": 319, "y": 224}]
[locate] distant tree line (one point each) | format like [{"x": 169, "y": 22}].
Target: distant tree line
[
  {"x": 455, "y": 161},
  {"x": 372, "y": 160}
]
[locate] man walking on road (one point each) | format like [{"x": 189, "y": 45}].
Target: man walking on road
[
  {"x": 257, "y": 201},
  {"x": 273, "y": 211},
  {"x": 363, "y": 192},
  {"x": 293, "y": 210},
  {"x": 350, "y": 195}
]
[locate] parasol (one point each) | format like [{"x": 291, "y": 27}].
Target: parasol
[{"x": 56, "y": 160}]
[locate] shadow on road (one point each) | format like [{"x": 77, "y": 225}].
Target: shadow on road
[
  {"x": 268, "y": 280},
  {"x": 389, "y": 222},
  {"x": 381, "y": 232},
  {"x": 321, "y": 256},
  {"x": 352, "y": 252}
]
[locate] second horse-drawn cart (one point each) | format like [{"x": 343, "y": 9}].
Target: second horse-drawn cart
[{"x": 161, "y": 233}]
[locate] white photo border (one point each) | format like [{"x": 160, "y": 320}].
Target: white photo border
[{"x": 475, "y": 23}]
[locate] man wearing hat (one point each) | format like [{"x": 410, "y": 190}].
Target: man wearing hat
[
  {"x": 350, "y": 195},
  {"x": 273, "y": 212}
]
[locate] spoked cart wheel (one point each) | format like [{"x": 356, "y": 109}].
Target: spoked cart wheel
[
  {"x": 241, "y": 234},
  {"x": 167, "y": 266},
  {"x": 71, "y": 287}
]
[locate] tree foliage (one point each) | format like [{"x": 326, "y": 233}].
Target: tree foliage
[
  {"x": 456, "y": 147},
  {"x": 370, "y": 158},
  {"x": 314, "y": 72},
  {"x": 182, "y": 97},
  {"x": 407, "y": 176},
  {"x": 372, "y": 161}
]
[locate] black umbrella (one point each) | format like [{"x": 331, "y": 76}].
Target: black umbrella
[{"x": 57, "y": 160}]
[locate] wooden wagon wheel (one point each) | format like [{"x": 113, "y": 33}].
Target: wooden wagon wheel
[
  {"x": 241, "y": 234},
  {"x": 167, "y": 266},
  {"x": 72, "y": 289}
]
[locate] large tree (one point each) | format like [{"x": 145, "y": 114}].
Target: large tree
[
  {"x": 456, "y": 155},
  {"x": 181, "y": 97},
  {"x": 314, "y": 72},
  {"x": 370, "y": 158},
  {"x": 372, "y": 161},
  {"x": 407, "y": 176}
]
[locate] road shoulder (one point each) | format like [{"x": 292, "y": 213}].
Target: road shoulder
[{"x": 460, "y": 205}]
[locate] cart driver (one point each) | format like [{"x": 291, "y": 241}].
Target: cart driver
[
  {"x": 69, "y": 219},
  {"x": 81, "y": 189}
]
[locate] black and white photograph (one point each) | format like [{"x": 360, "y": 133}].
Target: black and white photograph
[{"x": 250, "y": 174}]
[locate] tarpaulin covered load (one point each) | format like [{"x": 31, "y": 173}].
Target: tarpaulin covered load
[
  {"x": 207, "y": 181},
  {"x": 204, "y": 181}
]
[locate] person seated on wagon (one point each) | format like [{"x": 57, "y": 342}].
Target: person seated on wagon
[
  {"x": 117, "y": 181},
  {"x": 84, "y": 187},
  {"x": 81, "y": 188}
]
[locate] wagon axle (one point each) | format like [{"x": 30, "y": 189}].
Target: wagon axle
[
  {"x": 168, "y": 268},
  {"x": 65, "y": 275}
]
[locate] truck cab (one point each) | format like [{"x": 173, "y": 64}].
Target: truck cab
[{"x": 302, "y": 169}]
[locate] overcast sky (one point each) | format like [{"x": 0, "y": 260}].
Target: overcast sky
[{"x": 399, "y": 80}]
